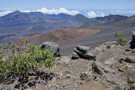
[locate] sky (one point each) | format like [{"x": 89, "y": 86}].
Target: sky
[{"x": 71, "y": 4}]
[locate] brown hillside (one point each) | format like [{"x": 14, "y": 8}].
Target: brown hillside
[{"x": 63, "y": 36}]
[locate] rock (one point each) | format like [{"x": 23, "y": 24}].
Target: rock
[
  {"x": 23, "y": 80},
  {"x": 47, "y": 76},
  {"x": 82, "y": 52},
  {"x": 53, "y": 46},
  {"x": 17, "y": 86},
  {"x": 84, "y": 76},
  {"x": 64, "y": 60},
  {"x": 83, "y": 49},
  {"x": 75, "y": 55},
  {"x": 89, "y": 55},
  {"x": 32, "y": 83},
  {"x": 130, "y": 59},
  {"x": 132, "y": 43},
  {"x": 67, "y": 75},
  {"x": 25, "y": 88}
]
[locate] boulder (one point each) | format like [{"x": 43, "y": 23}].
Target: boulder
[
  {"x": 82, "y": 52},
  {"x": 83, "y": 49},
  {"x": 130, "y": 59},
  {"x": 75, "y": 55},
  {"x": 52, "y": 46},
  {"x": 132, "y": 43}
]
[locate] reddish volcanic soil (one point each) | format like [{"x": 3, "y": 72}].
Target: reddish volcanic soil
[{"x": 63, "y": 36}]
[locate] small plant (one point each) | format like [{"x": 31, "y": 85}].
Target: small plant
[
  {"x": 121, "y": 39},
  {"x": 22, "y": 64},
  {"x": 1, "y": 54},
  {"x": 29, "y": 60}
]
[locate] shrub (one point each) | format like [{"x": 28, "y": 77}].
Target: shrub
[
  {"x": 27, "y": 61},
  {"x": 21, "y": 64},
  {"x": 121, "y": 39}
]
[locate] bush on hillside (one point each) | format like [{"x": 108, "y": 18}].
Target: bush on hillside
[
  {"x": 121, "y": 39},
  {"x": 27, "y": 61}
]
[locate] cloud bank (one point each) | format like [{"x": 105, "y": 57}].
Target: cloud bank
[
  {"x": 58, "y": 11},
  {"x": 88, "y": 13},
  {"x": 93, "y": 14}
]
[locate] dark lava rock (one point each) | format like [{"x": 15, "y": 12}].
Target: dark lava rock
[
  {"x": 23, "y": 80},
  {"x": 83, "y": 76},
  {"x": 47, "y": 76},
  {"x": 32, "y": 83},
  {"x": 17, "y": 86},
  {"x": 24, "y": 88},
  {"x": 52, "y": 46},
  {"x": 32, "y": 73},
  {"x": 132, "y": 43}
]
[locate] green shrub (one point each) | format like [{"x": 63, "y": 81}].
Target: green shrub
[
  {"x": 121, "y": 39},
  {"x": 22, "y": 64},
  {"x": 27, "y": 61}
]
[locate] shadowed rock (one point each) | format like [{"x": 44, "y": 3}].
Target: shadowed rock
[
  {"x": 132, "y": 43},
  {"x": 82, "y": 52},
  {"x": 52, "y": 46}
]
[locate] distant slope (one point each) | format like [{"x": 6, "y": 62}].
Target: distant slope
[
  {"x": 107, "y": 19},
  {"x": 63, "y": 36},
  {"x": 20, "y": 24},
  {"x": 130, "y": 22}
]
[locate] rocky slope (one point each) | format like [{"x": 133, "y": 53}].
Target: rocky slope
[{"x": 109, "y": 66}]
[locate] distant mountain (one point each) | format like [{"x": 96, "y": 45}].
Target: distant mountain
[
  {"x": 26, "y": 23},
  {"x": 107, "y": 19},
  {"x": 130, "y": 22},
  {"x": 36, "y": 21},
  {"x": 22, "y": 18}
]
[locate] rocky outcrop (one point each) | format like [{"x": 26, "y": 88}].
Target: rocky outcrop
[
  {"x": 52, "y": 46},
  {"x": 114, "y": 67},
  {"x": 82, "y": 52}
]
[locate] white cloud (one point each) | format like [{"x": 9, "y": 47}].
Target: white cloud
[
  {"x": 93, "y": 14},
  {"x": 58, "y": 11},
  {"x": 4, "y": 13},
  {"x": 25, "y": 11}
]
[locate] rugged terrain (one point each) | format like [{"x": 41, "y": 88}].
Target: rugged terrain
[{"x": 109, "y": 66}]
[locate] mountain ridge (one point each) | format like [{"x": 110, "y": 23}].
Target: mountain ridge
[{"x": 20, "y": 24}]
